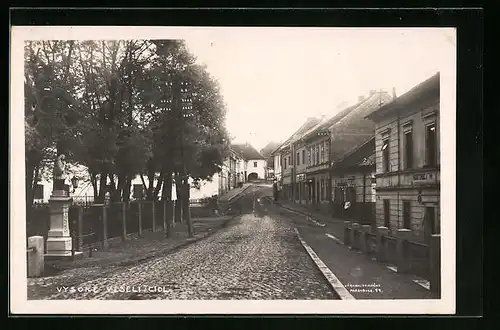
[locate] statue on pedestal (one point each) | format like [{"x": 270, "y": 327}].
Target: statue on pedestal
[{"x": 59, "y": 173}]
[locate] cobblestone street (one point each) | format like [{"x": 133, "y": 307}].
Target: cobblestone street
[{"x": 256, "y": 257}]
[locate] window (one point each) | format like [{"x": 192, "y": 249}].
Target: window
[
  {"x": 327, "y": 154},
  {"x": 430, "y": 145},
  {"x": 303, "y": 156},
  {"x": 385, "y": 155},
  {"x": 309, "y": 151},
  {"x": 290, "y": 161},
  {"x": 387, "y": 214},
  {"x": 317, "y": 154},
  {"x": 38, "y": 193},
  {"x": 313, "y": 151},
  {"x": 298, "y": 158},
  {"x": 284, "y": 164},
  {"x": 432, "y": 226},
  {"x": 351, "y": 194},
  {"x": 254, "y": 164},
  {"x": 322, "y": 155},
  {"x": 408, "y": 145},
  {"x": 407, "y": 214},
  {"x": 322, "y": 190}
]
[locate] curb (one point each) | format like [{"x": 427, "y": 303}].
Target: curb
[
  {"x": 239, "y": 194},
  {"x": 334, "y": 282}
]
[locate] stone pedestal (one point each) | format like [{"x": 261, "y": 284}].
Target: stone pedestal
[{"x": 59, "y": 242}]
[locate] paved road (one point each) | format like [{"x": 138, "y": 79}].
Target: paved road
[{"x": 257, "y": 257}]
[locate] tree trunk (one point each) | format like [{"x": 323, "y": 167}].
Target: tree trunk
[
  {"x": 167, "y": 195},
  {"x": 116, "y": 187},
  {"x": 151, "y": 178},
  {"x": 178, "y": 202},
  {"x": 158, "y": 186},
  {"x": 126, "y": 189},
  {"x": 185, "y": 208},
  {"x": 93, "y": 181},
  {"x": 31, "y": 177},
  {"x": 102, "y": 187}
]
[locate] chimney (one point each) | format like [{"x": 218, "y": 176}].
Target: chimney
[
  {"x": 394, "y": 93},
  {"x": 361, "y": 98}
]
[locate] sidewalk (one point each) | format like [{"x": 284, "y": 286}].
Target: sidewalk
[
  {"x": 233, "y": 193},
  {"x": 363, "y": 277},
  {"x": 335, "y": 226}
]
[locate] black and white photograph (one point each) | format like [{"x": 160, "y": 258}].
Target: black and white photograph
[{"x": 233, "y": 170}]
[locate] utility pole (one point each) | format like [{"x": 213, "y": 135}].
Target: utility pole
[{"x": 180, "y": 90}]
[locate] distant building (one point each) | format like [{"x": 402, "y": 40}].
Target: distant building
[
  {"x": 254, "y": 164},
  {"x": 408, "y": 161},
  {"x": 266, "y": 152},
  {"x": 286, "y": 160}
]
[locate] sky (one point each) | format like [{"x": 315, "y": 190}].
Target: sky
[{"x": 273, "y": 79}]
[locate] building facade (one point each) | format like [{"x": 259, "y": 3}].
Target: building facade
[
  {"x": 408, "y": 161},
  {"x": 277, "y": 169},
  {"x": 353, "y": 185},
  {"x": 287, "y": 155}
]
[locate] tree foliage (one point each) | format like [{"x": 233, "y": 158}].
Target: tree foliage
[{"x": 122, "y": 108}]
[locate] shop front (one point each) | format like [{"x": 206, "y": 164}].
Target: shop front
[{"x": 301, "y": 188}]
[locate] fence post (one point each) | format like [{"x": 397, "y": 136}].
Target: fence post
[
  {"x": 354, "y": 234},
  {"x": 402, "y": 238},
  {"x": 347, "y": 235},
  {"x": 35, "y": 256},
  {"x": 139, "y": 205},
  {"x": 79, "y": 226},
  {"x": 435, "y": 263},
  {"x": 124, "y": 221},
  {"x": 365, "y": 230},
  {"x": 382, "y": 233},
  {"x": 153, "y": 208},
  {"x": 104, "y": 226}
]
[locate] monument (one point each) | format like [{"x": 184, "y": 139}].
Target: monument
[{"x": 59, "y": 242}]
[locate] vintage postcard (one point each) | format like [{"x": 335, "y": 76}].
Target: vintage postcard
[{"x": 232, "y": 170}]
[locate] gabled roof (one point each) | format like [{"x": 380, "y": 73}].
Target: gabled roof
[
  {"x": 353, "y": 130},
  {"x": 270, "y": 147},
  {"x": 329, "y": 121},
  {"x": 246, "y": 151},
  {"x": 310, "y": 122},
  {"x": 427, "y": 87}
]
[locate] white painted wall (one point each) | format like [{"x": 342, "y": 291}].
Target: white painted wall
[
  {"x": 85, "y": 189},
  {"x": 260, "y": 169},
  {"x": 277, "y": 166}
]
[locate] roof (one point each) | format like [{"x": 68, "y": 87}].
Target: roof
[
  {"x": 310, "y": 122},
  {"x": 353, "y": 129},
  {"x": 270, "y": 147},
  {"x": 427, "y": 87},
  {"x": 246, "y": 151},
  {"x": 365, "y": 150},
  {"x": 329, "y": 121}
]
